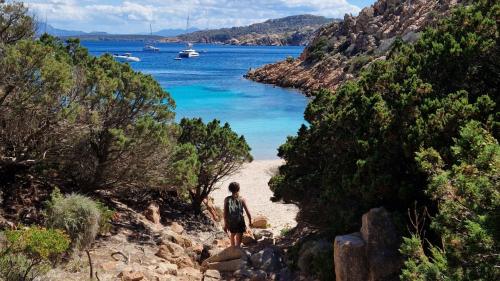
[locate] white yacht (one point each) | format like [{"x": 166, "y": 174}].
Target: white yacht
[
  {"x": 127, "y": 57},
  {"x": 189, "y": 52}
]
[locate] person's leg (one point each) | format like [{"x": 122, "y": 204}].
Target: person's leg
[
  {"x": 238, "y": 239},
  {"x": 233, "y": 239}
]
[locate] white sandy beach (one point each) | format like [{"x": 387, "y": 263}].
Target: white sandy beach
[{"x": 253, "y": 180}]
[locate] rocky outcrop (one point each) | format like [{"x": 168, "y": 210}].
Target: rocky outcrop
[
  {"x": 371, "y": 254},
  {"x": 341, "y": 49}
]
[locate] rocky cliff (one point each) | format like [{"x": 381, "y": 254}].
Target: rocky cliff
[
  {"x": 292, "y": 30},
  {"x": 341, "y": 49}
]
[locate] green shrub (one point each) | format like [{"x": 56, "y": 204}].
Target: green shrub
[
  {"x": 106, "y": 217},
  {"x": 29, "y": 252},
  {"x": 76, "y": 214},
  {"x": 468, "y": 219},
  {"x": 290, "y": 59}
]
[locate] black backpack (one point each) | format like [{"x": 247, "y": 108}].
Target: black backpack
[{"x": 234, "y": 211}]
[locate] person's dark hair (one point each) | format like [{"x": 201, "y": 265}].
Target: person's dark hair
[{"x": 234, "y": 187}]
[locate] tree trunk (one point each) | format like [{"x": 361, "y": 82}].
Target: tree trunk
[{"x": 196, "y": 202}]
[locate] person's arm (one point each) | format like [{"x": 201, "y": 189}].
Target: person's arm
[
  {"x": 247, "y": 211},
  {"x": 225, "y": 215}
]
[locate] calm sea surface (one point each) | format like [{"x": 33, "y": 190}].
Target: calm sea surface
[{"x": 212, "y": 86}]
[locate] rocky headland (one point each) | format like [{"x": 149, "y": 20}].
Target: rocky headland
[
  {"x": 293, "y": 30},
  {"x": 340, "y": 49}
]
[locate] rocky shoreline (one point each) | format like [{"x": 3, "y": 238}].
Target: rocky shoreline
[{"x": 341, "y": 49}]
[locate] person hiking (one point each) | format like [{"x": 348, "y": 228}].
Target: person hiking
[{"x": 234, "y": 222}]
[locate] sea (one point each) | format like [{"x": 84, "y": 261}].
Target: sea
[{"x": 212, "y": 87}]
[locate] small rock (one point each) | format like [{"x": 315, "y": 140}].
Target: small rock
[
  {"x": 152, "y": 213},
  {"x": 131, "y": 276},
  {"x": 262, "y": 233},
  {"x": 260, "y": 222}
]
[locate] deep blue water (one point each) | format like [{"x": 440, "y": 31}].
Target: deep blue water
[{"x": 212, "y": 86}]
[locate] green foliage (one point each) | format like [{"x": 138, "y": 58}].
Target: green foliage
[
  {"x": 212, "y": 152},
  {"x": 28, "y": 252},
  {"x": 359, "y": 148},
  {"x": 184, "y": 171},
  {"x": 290, "y": 59},
  {"x": 468, "y": 219},
  {"x": 15, "y": 23},
  {"x": 107, "y": 215},
  {"x": 79, "y": 120},
  {"x": 77, "y": 215}
]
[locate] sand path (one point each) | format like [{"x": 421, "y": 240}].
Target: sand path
[{"x": 253, "y": 180}]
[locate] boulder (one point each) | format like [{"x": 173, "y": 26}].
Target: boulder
[
  {"x": 227, "y": 254},
  {"x": 349, "y": 258},
  {"x": 227, "y": 265},
  {"x": 166, "y": 268},
  {"x": 268, "y": 259},
  {"x": 131, "y": 276},
  {"x": 212, "y": 275},
  {"x": 177, "y": 228},
  {"x": 152, "y": 213},
  {"x": 382, "y": 243},
  {"x": 311, "y": 251},
  {"x": 169, "y": 249},
  {"x": 260, "y": 222}
]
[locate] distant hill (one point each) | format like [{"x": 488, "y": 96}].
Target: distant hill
[
  {"x": 292, "y": 30},
  {"x": 42, "y": 28},
  {"x": 174, "y": 32}
]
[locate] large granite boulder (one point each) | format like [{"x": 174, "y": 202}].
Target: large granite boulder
[
  {"x": 268, "y": 259},
  {"x": 382, "y": 244},
  {"x": 350, "y": 258}
]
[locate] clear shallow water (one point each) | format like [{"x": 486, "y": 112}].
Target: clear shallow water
[{"x": 212, "y": 86}]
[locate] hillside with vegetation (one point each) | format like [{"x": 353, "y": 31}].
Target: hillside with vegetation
[
  {"x": 416, "y": 133},
  {"x": 341, "y": 49},
  {"x": 292, "y": 30}
]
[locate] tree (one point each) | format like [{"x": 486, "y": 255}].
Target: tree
[
  {"x": 216, "y": 152},
  {"x": 15, "y": 23}
]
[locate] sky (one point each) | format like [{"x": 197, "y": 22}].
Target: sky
[{"x": 132, "y": 16}]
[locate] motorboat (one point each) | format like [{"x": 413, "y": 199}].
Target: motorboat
[
  {"x": 189, "y": 52},
  {"x": 127, "y": 57}
]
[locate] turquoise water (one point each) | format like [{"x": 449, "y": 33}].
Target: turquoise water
[{"x": 212, "y": 86}]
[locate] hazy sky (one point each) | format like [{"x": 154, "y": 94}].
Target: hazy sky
[{"x": 131, "y": 16}]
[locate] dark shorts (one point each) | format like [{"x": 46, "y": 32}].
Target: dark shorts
[{"x": 237, "y": 227}]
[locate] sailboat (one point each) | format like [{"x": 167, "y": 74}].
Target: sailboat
[
  {"x": 189, "y": 52},
  {"x": 149, "y": 47}
]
